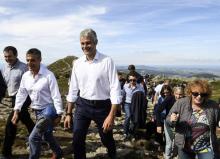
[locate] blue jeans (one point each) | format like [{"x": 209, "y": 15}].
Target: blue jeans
[
  {"x": 185, "y": 155},
  {"x": 44, "y": 129},
  {"x": 127, "y": 108},
  {"x": 169, "y": 136}
]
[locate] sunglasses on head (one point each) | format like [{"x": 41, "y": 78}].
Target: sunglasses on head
[
  {"x": 196, "y": 94},
  {"x": 132, "y": 80}
]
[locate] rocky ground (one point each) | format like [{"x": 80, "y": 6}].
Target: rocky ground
[{"x": 126, "y": 149}]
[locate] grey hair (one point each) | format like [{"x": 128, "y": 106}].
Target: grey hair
[{"x": 89, "y": 33}]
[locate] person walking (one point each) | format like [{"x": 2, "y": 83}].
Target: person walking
[
  {"x": 128, "y": 90},
  {"x": 196, "y": 118},
  {"x": 41, "y": 85},
  {"x": 95, "y": 90},
  {"x": 12, "y": 73}
]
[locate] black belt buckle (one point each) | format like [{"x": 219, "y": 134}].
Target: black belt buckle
[{"x": 94, "y": 102}]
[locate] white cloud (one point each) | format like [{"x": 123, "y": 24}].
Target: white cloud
[{"x": 5, "y": 11}]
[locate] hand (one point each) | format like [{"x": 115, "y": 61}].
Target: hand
[
  {"x": 56, "y": 121},
  {"x": 15, "y": 118},
  {"x": 108, "y": 123},
  {"x": 159, "y": 129},
  {"x": 174, "y": 117},
  {"x": 67, "y": 122}
]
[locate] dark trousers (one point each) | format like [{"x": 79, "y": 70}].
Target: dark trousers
[
  {"x": 11, "y": 129},
  {"x": 86, "y": 111}
]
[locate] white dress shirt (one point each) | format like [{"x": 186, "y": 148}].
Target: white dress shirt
[
  {"x": 96, "y": 80},
  {"x": 42, "y": 89}
]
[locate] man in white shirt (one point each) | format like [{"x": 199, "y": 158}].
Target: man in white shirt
[
  {"x": 94, "y": 76},
  {"x": 41, "y": 85}
]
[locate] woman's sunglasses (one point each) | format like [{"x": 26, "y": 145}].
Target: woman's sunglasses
[{"x": 196, "y": 94}]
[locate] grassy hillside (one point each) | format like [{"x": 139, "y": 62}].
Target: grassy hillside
[
  {"x": 216, "y": 91},
  {"x": 62, "y": 70}
]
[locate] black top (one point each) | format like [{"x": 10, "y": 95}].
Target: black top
[
  {"x": 167, "y": 105},
  {"x": 3, "y": 86}
]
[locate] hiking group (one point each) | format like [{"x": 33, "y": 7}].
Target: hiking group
[{"x": 183, "y": 115}]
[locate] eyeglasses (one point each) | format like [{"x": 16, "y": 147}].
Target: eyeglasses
[
  {"x": 132, "y": 80},
  {"x": 196, "y": 94}
]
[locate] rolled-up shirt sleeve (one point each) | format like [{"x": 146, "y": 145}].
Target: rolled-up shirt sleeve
[
  {"x": 20, "y": 96},
  {"x": 73, "y": 87},
  {"x": 115, "y": 88}
]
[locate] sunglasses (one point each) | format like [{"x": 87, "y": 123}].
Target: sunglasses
[
  {"x": 132, "y": 80},
  {"x": 196, "y": 94}
]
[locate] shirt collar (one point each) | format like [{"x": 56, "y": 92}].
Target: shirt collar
[
  {"x": 41, "y": 71},
  {"x": 96, "y": 58},
  {"x": 15, "y": 65}
]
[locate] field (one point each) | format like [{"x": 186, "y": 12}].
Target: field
[{"x": 216, "y": 91}]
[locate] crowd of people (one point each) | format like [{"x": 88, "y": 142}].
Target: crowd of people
[{"x": 184, "y": 119}]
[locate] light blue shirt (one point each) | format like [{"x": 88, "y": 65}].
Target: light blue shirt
[
  {"x": 13, "y": 75},
  {"x": 128, "y": 91}
]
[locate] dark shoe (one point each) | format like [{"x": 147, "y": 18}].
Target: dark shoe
[{"x": 112, "y": 156}]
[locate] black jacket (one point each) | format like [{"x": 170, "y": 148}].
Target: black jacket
[
  {"x": 3, "y": 86},
  {"x": 167, "y": 105},
  {"x": 138, "y": 109}
]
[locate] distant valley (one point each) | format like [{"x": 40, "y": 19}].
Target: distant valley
[{"x": 177, "y": 71}]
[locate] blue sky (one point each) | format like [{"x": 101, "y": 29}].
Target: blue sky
[{"x": 144, "y": 32}]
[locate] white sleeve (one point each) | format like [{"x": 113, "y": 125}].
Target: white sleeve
[
  {"x": 115, "y": 88},
  {"x": 21, "y": 96},
  {"x": 55, "y": 94},
  {"x": 73, "y": 86}
]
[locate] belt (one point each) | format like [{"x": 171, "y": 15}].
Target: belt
[
  {"x": 95, "y": 102},
  {"x": 127, "y": 103}
]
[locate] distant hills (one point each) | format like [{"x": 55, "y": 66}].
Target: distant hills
[
  {"x": 177, "y": 71},
  {"x": 62, "y": 70}
]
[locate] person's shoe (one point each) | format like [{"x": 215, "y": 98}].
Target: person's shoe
[{"x": 112, "y": 156}]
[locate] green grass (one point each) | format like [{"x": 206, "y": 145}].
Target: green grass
[{"x": 216, "y": 90}]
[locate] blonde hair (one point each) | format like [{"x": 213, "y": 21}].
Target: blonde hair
[{"x": 198, "y": 83}]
